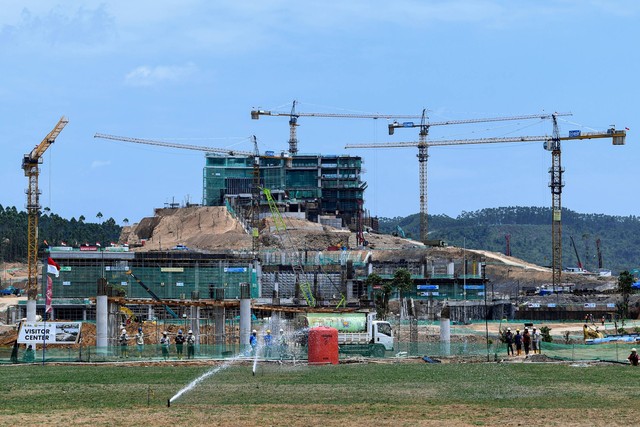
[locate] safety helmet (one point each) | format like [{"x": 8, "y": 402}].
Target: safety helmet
[
  {"x": 268, "y": 331},
  {"x": 254, "y": 332},
  {"x": 139, "y": 329},
  {"x": 509, "y": 329},
  {"x": 517, "y": 330},
  {"x": 281, "y": 330},
  {"x": 190, "y": 331},
  {"x": 179, "y": 331},
  {"x": 164, "y": 333},
  {"x": 123, "y": 331},
  {"x": 633, "y": 350}
]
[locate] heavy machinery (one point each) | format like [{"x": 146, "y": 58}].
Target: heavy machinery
[
  {"x": 550, "y": 143},
  {"x": 30, "y": 164},
  {"x": 293, "y": 120},
  {"x": 423, "y": 153},
  {"x": 575, "y": 249},
  {"x": 152, "y": 294}
]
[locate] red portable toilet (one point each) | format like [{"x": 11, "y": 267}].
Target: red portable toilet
[{"x": 323, "y": 346}]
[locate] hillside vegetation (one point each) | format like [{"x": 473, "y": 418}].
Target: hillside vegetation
[
  {"x": 52, "y": 228},
  {"x": 530, "y": 231}
]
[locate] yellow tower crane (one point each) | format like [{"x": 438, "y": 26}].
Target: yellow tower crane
[
  {"x": 31, "y": 169},
  {"x": 551, "y": 143}
]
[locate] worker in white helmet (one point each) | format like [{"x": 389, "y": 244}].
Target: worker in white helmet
[
  {"x": 282, "y": 344},
  {"x": 268, "y": 343},
  {"x": 124, "y": 343},
  {"x": 164, "y": 345},
  {"x": 633, "y": 357},
  {"x": 191, "y": 345}
]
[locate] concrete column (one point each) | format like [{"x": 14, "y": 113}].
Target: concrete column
[
  {"x": 258, "y": 268},
  {"x": 450, "y": 268},
  {"x": 84, "y": 314},
  {"x": 150, "y": 312},
  {"x": 195, "y": 322},
  {"x": 102, "y": 316},
  {"x": 349, "y": 290},
  {"x": 445, "y": 336},
  {"x": 245, "y": 322},
  {"x": 31, "y": 310},
  {"x": 218, "y": 319}
]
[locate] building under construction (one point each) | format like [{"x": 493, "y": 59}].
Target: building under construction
[{"x": 313, "y": 184}]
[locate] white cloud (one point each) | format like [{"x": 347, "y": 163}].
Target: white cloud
[
  {"x": 100, "y": 163},
  {"x": 149, "y": 76}
]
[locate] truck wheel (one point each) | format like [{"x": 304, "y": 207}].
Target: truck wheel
[{"x": 378, "y": 350}]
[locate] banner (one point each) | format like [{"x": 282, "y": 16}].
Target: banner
[
  {"x": 49, "y": 295},
  {"x": 53, "y": 332}
]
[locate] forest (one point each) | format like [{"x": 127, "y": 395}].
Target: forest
[
  {"x": 53, "y": 229},
  {"x": 529, "y": 231}
]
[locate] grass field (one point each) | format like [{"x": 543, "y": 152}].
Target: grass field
[{"x": 405, "y": 394}]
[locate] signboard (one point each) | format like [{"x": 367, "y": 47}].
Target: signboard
[
  {"x": 66, "y": 283},
  {"x": 65, "y": 268},
  {"x": 116, "y": 268},
  {"x": 88, "y": 248},
  {"x": 51, "y": 332},
  {"x": 179, "y": 283},
  {"x": 474, "y": 287},
  {"x": 235, "y": 269},
  {"x": 428, "y": 287},
  {"x": 407, "y": 124},
  {"x": 574, "y": 133},
  {"x": 611, "y": 305},
  {"x": 589, "y": 305},
  {"x": 534, "y": 305},
  {"x": 551, "y": 305},
  {"x": 172, "y": 269}
]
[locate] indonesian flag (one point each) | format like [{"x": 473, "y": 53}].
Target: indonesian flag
[
  {"x": 98, "y": 244},
  {"x": 53, "y": 267},
  {"x": 49, "y": 294},
  {"x": 63, "y": 244}
]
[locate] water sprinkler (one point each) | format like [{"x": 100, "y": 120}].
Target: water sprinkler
[{"x": 168, "y": 403}]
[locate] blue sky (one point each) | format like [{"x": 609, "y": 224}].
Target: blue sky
[{"x": 191, "y": 71}]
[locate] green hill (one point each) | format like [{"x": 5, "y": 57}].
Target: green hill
[{"x": 530, "y": 234}]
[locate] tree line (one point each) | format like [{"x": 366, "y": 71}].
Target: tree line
[
  {"x": 529, "y": 231},
  {"x": 54, "y": 229}
]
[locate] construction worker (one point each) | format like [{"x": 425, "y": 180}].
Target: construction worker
[
  {"x": 282, "y": 344},
  {"x": 633, "y": 357},
  {"x": 526, "y": 341},
  {"x": 268, "y": 343},
  {"x": 140, "y": 342},
  {"x": 191, "y": 345},
  {"x": 536, "y": 340},
  {"x": 124, "y": 343},
  {"x": 508, "y": 339},
  {"x": 518, "y": 340},
  {"x": 29, "y": 355},
  {"x": 164, "y": 345},
  {"x": 179, "y": 343},
  {"x": 253, "y": 341}
]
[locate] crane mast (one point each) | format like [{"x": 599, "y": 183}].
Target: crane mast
[{"x": 31, "y": 169}]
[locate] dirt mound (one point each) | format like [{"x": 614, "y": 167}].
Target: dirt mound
[{"x": 204, "y": 228}]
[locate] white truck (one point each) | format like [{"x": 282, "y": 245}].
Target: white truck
[{"x": 358, "y": 332}]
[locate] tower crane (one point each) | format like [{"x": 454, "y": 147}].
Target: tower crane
[
  {"x": 255, "y": 191},
  {"x": 423, "y": 155},
  {"x": 30, "y": 164},
  {"x": 551, "y": 143},
  {"x": 174, "y": 145},
  {"x": 293, "y": 120}
]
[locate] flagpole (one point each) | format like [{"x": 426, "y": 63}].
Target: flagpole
[{"x": 45, "y": 277}]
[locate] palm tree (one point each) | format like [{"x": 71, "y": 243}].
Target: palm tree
[
  {"x": 125, "y": 221},
  {"x": 99, "y": 216}
]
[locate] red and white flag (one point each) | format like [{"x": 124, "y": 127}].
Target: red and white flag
[
  {"x": 63, "y": 244},
  {"x": 53, "y": 267},
  {"x": 49, "y": 295}
]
